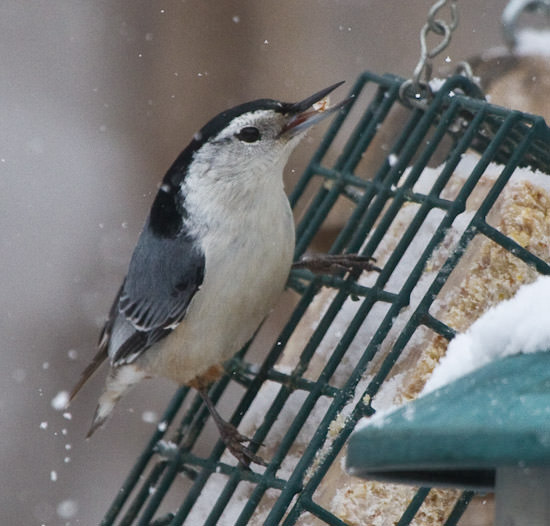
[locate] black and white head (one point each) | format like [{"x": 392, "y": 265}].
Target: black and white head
[
  {"x": 261, "y": 132},
  {"x": 238, "y": 144}
]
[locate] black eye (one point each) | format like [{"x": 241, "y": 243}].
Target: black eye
[{"x": 248, "y": 134}]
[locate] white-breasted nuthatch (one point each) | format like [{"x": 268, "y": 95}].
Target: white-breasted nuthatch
[{"x": 212, "y": 259}]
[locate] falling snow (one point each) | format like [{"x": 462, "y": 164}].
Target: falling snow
[
  {"x": 149, "y": 416},
  {"x": 60, "y": 400},
  {"x": 162, "y": 426},
  {"x": 67, "y": 509}
]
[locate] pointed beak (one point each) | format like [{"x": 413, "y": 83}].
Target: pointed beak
[{"x": 304, "y": 114}]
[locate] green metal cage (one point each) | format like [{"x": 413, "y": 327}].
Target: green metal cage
[{"x": 165, "y": 485}]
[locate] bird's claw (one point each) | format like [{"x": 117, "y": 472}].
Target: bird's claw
[
  {"x": 234, "y": 442},
  {"x": 333, "y": 263}
]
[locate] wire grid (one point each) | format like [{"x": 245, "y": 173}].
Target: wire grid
[{"x": 508, "y": 137}]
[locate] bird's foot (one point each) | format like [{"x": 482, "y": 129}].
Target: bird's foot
[
  {"x": 231, "y": 437},
  {"x": 334, "y": 263},
  {"x": 234, "y": 441}
]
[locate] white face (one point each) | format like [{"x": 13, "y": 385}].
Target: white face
[
  {"x": 251, "y": 143},
  {"x": 240, "y": 171}
]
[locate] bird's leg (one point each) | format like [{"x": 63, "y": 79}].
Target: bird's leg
[
  {"x": 333, "y": 263},
  {"x": 230, "y": 435}
]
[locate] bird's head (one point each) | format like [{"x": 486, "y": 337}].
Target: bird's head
[
  {"x": 257, "y": 135},
  {"x": 239, "y": 151}
]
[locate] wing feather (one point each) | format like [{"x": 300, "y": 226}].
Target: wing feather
[{"x": 163, "y": 276}]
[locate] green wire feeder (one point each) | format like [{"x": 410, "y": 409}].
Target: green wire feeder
[{"x": 346, "y": 340}]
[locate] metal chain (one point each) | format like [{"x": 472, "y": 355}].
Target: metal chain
[{"x": 416, "y": 91}]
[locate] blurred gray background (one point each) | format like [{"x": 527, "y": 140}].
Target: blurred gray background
[{"x": 97, "y": 99}]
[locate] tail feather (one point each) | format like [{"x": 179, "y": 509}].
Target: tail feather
[
  {"x": 98, "y": 421},
  {"x": 102, "y": 353},
  {"x": 92, "y": 367},
  {"x": 119, "y": 381}
]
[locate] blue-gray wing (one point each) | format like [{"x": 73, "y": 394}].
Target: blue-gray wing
[{"x": 164, "y": 274}]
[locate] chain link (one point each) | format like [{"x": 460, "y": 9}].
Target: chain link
[{"x": 416, "y": 91}]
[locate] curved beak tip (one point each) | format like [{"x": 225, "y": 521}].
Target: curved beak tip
[
  {"x": 312, "y": 110},
  {"x": 308, "y": 102}
]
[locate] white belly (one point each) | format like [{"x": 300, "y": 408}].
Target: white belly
[{"x": 246, "y": 270}]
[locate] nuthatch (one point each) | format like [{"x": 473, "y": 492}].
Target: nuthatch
[{"x": 213, "y": 257}]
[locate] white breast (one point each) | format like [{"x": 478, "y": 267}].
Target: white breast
[{"x": 248, "y": 240}]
